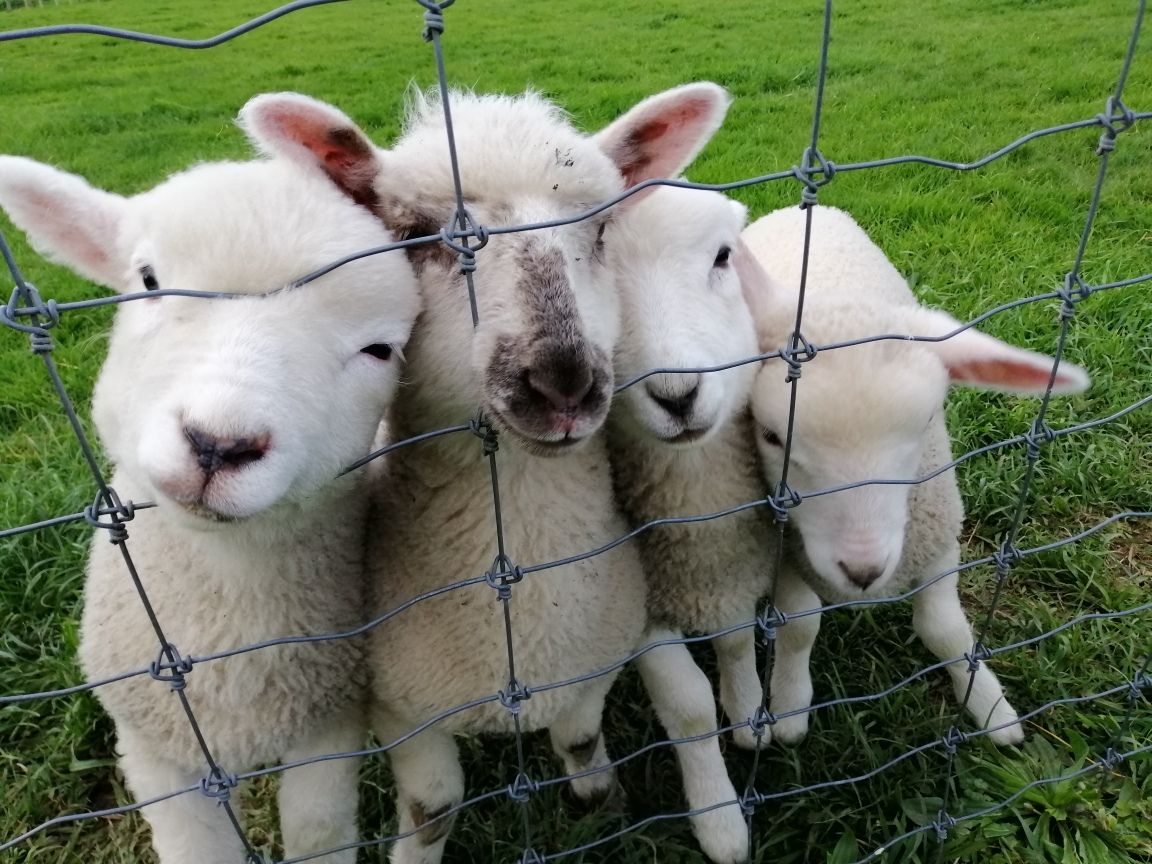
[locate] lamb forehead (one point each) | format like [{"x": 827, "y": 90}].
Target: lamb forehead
[
  {"x": 833, "y": 319},
  {"x": 871, "y": 391},
  {"x": 685, "y": 216},
  {"x": 508, "y": 147},
  {"x": 248, "y": 227}
]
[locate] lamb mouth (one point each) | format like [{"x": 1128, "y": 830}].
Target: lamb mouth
[
  {"x": 200, "y": 510},
  {"x": 531, "y": 443},
  {"x": 686, "y": 435}
]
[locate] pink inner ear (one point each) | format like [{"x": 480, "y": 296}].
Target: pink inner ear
[
  {"x": 659, "y": 147},
  {"x": 1005, "y": 373},
  {"x": 343, "y": 153}
]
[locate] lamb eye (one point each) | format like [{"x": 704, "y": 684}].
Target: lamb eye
[
  {"x": 148, "y": 275},
  {"x": 381, "y": 351},
  {"x": 722, "y": 257},
  {"x": 600, "y": 232},
  {"x": 772, "y": 438}
]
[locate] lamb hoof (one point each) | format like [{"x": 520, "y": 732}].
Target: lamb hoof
[
  {"x": 1002, "y": 714},
  {"x": 744, "y": 738},
  {"x": 722, "y": 835},
  {"x": 791, "y": 730},
  {"x": 1013, "y": 734}
]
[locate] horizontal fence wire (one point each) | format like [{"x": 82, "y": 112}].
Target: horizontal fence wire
[{"x": 26, "y": 312}]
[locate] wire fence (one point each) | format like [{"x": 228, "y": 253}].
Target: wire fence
[{"x": 29, "y": 313}]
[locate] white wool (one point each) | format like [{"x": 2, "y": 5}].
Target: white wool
[
  {"x": 262, "y": 550},
  {"x": 520, "y": 161},
  {"x": 871, "y": 412},
  {"x": 681, "y": 310},
  {"x": 675, "y": 258},
  {"x": 437, "y": 522}
]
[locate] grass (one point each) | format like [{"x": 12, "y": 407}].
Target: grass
[{"x": 950, "y": 79}]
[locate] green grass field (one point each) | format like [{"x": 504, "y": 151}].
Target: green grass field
[{"x": 951, "y": 79}]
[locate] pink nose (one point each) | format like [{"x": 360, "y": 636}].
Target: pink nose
[{"x": 220, "y": 454}]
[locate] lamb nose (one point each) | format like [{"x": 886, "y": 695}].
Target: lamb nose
[
  {"x": 563, "y": 392},
  {"x": 676, "y": 406},
  {"x": 861, "y": 576},
  {"x": 213, "y": 454}
]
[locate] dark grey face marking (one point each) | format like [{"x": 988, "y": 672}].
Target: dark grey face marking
[
  {"x": 406, "y": 221},
  {"x": 551, "y": 372},
  {"x": 351, "y": 163}
]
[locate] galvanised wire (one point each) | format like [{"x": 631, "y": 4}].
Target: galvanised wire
[{"x": 26, "y": 312}]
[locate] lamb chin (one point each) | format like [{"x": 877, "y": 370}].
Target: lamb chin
[{"x": 537, "y": 443}]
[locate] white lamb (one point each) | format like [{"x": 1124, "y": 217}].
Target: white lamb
[
  {"x": 871, "y": 412},
  {"x": 682, "y": 445},
  {"x": 235, "y": 415},
  {"x": 538, "y": 364}
]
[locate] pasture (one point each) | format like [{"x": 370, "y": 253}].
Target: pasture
[{"x": 955, "y": 80}]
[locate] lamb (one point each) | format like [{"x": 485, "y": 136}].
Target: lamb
[
  {"x": 220, "y": 410},
  {"x": 872, "y": 411},
  {"x": 537, "y": 362},
  {"x": 681, "y": 444}
]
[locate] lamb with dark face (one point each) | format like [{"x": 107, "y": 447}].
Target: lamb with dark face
[{"x": 537, "y": 362}]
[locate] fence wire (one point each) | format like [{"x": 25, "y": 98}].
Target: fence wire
[{"x": 28, "y": 313}]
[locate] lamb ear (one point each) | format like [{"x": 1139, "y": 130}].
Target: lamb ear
[
  {"x": 661, "y": 136},
  {"x": 756, "y": 287},
  {"x": 65, "y": 218},
  {"x": 316, "y": 135},
  {"x": 976, "y": 359}
]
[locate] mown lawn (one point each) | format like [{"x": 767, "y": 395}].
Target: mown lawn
[{"x": 951, "y": 79}]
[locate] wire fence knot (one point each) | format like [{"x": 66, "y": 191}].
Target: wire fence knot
[
  {"x": 761, "y": 720},
  {"x": 170, "y": 667},
  {"x": 434, "y": 17},
  {"x": 108, "y": 504},
  {"x": 486, "y": 432},
  {"x": 1004, "y": 558},
  {"x": 522, "y": 788},
  {"x": 953, "y": 738},
  {"x": 218, "y": 784},
  {"x": 800, "y": 351},
  {"x": 748, "y": 801},
  {"x": 1110, "y": 759},
  {"x": 768, "y": 620},
  {"x": 513, "y": 695},
  {"x": 807, "y": 173},
  {"x": 942, "y": 824},
  {"x": 1038, "y": 434},
  {"x": 467, "y": 227},
  {"x": 1136, "y": 687},
  {"x": 502, "y": 575},
  {"x": 1116, "y": 118},
  {"x": 531, "y": 856},
  {"x": 979, "y": 653},
  {"x": 1072, "y": 292},
  {"x": 41, "y": 343},
  {"x": 784, "y": 499},
  {"x": 25, "y": 302}
]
